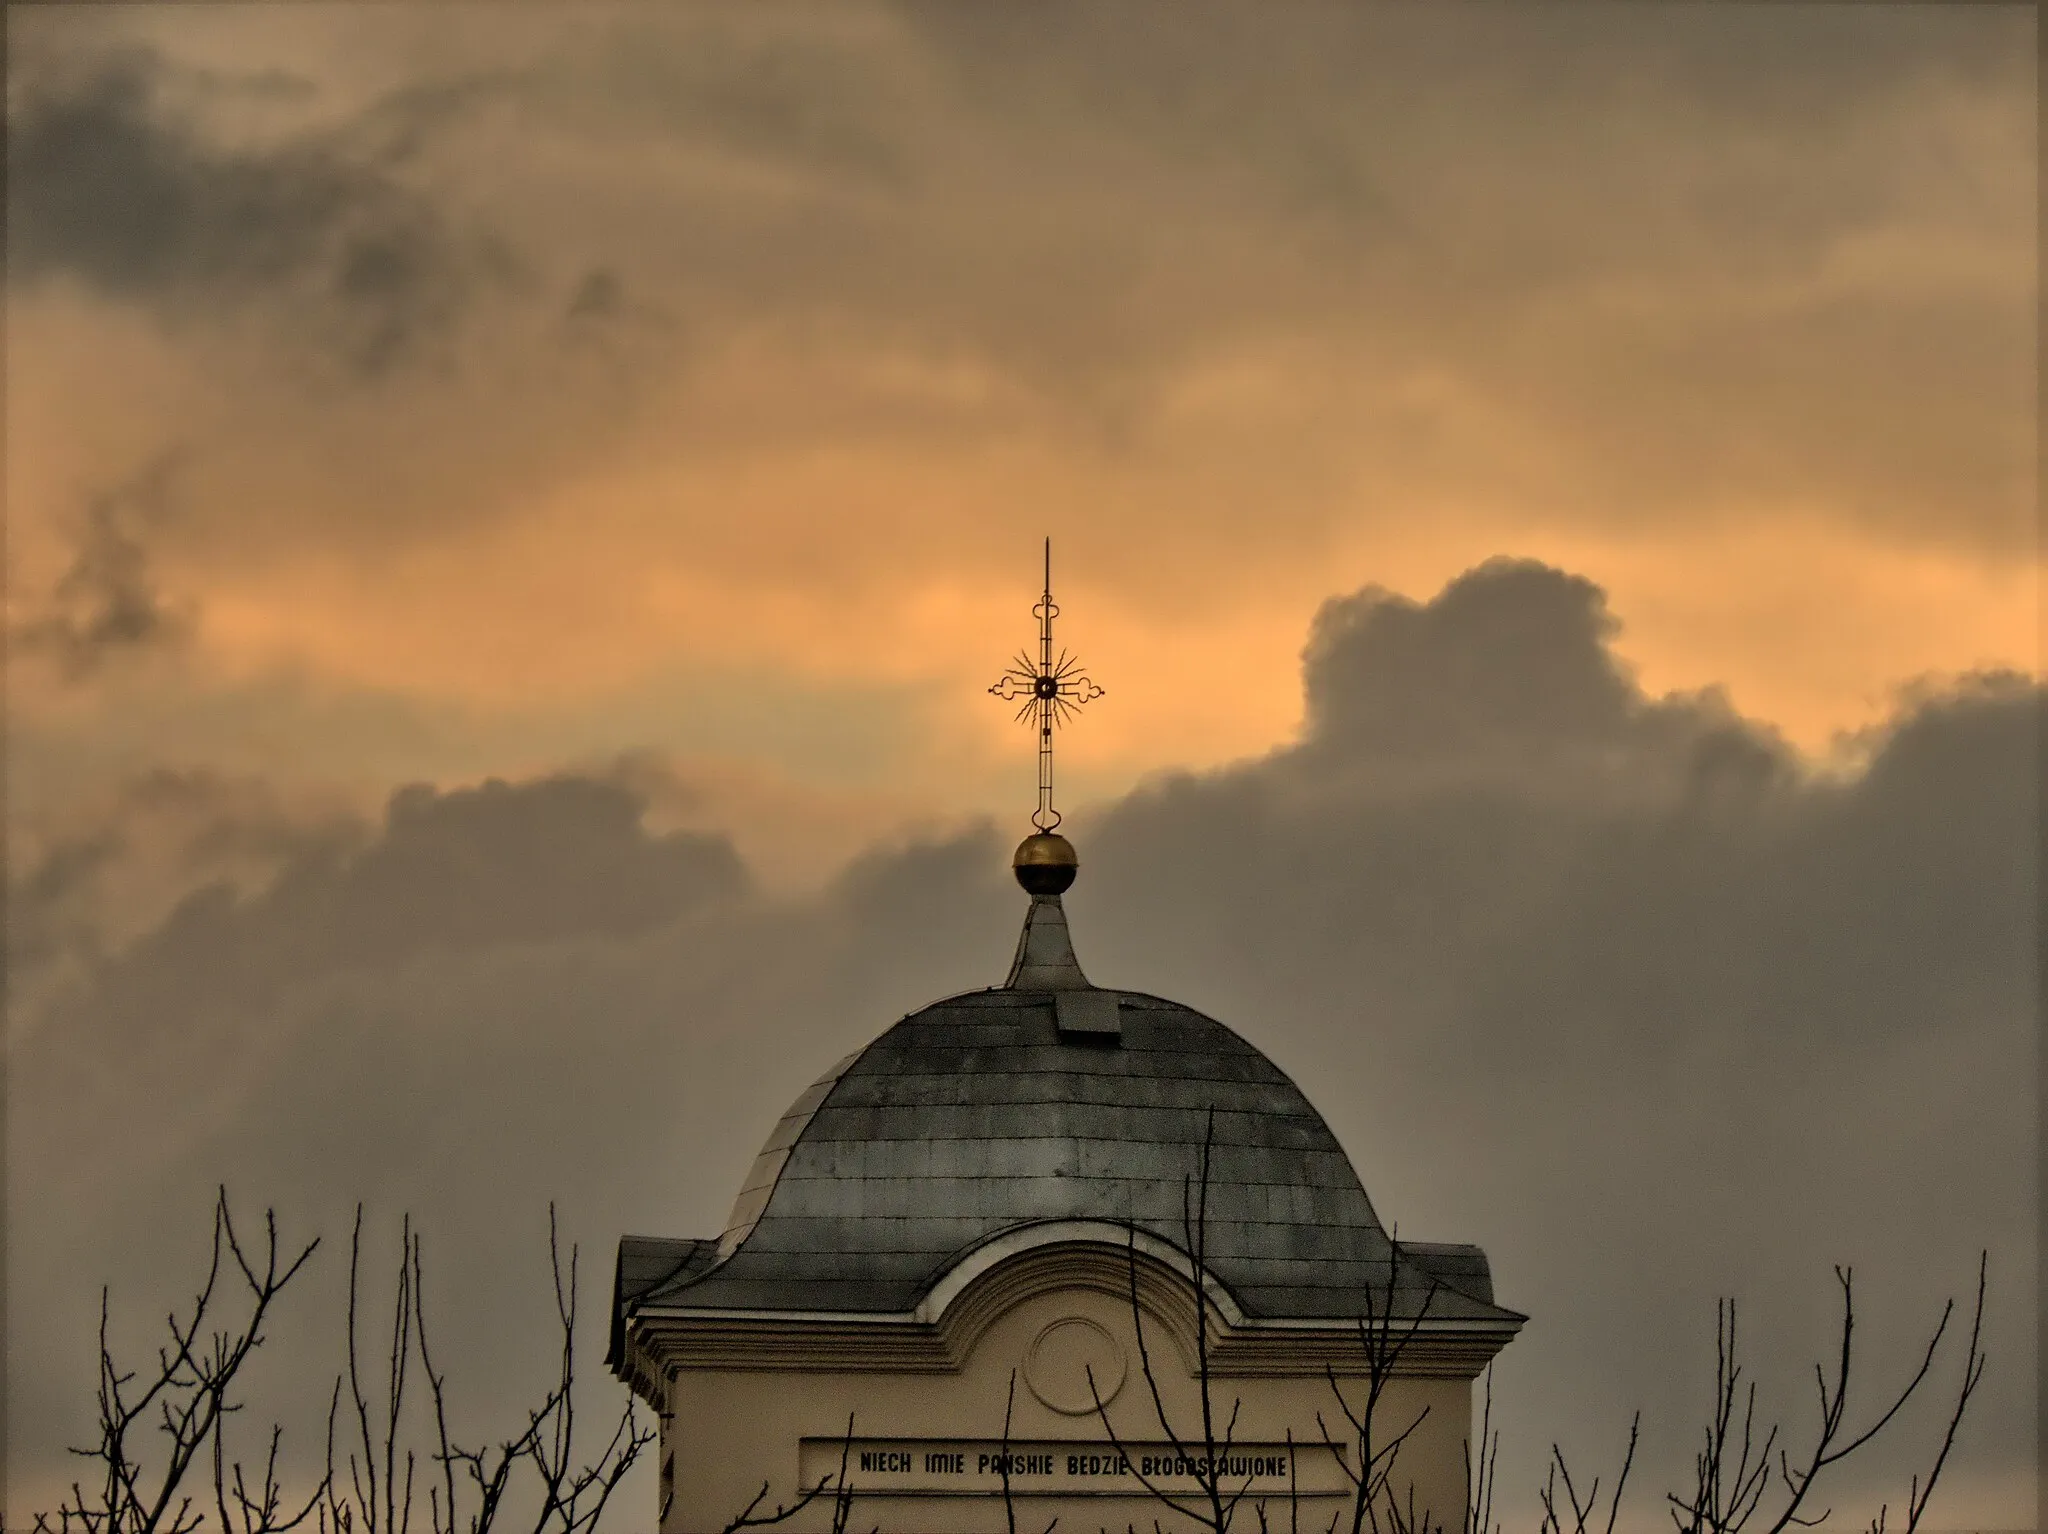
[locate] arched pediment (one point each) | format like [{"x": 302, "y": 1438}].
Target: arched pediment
[{"x": 1060, "y": 1256}]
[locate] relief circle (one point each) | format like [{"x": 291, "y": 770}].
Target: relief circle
[{"x": 1057, "y": 1365}]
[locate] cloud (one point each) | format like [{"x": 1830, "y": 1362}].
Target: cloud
[
  {"x": 803, "y": 100},
  {"x": 1804, "y": 285},
  {"x": 1614, "y": 982},
  {"x": 551, "y": 861},
  {"x": 1510, "y": 650},
  {"x": 107, "y": 603},
  {"x": 812, "y": 313},
  {"x": 1481, "y": 793},
  {"x": 448, "y": 880},
  {"x": 1609, "y": 983},
  {"x": 1485, "y": 812},
  {"x": 476, "y": 987},
  {"x": 114, "y": 183},
  {"x": 86, "y": 882}
]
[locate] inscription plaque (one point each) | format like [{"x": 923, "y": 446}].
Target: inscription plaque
[{"x": 973, "y": 1467}]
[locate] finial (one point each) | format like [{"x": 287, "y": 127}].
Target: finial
[
  {"x": 1052, "y": 690},
  {"x": 1045, "y": 863}
]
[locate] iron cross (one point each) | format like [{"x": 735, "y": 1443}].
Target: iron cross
[{"x": 1052, "y": 690}]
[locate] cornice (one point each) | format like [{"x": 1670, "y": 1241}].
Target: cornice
[{"x": 1052, "y": 1257}]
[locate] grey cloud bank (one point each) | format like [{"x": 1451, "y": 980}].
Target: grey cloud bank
[{"x": 1611, "y": 984}]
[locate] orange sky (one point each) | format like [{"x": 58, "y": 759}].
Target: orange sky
[
  {"x": 679, "y": 396},
  {"x": 702, "y": 385}
]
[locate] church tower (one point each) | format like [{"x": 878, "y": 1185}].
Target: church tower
[{"x": 1053, "y": 1250}]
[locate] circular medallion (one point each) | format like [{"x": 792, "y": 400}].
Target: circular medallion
[{"x": 1061, "y": 1359}]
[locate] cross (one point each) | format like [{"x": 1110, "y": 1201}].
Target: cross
[{"x": 1052, "y": 690}]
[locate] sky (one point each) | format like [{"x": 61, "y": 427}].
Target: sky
[{"x": 512, "y": 514}]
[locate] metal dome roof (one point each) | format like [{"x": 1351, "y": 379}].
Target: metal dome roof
[{"x": 1049, "y": 1099}]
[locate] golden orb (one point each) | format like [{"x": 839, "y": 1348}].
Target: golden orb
[{"x": 1045, "y": 863}]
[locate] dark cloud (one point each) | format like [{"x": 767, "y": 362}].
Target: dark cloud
[
  {"x": 114, "y": 182},
  {"x": 1609, "y": 983},
  {"x": 1623, "y": 266},
  {"x": 789, "y": 99},
  {"x": 108, "y": 603},
  {"x": 1612, "y": 982},
  {"x": 597, "y": 296},
  {"x": 1698, "y": 279},
  {"x": 1478, "y": 133},
  {"x": 1706, "y": 280},
  {"x": 1486, "y": 811},
  {"x": 441, "y": 1017},
  {"x": 1509, "y": 656},
  {"x": 448, "y": 879},
  {"x": 560, "y": 860},
  {"x": 109, "y": 871}
]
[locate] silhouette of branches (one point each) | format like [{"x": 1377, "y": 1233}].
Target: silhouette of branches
[
  {"x": 474, "y": 1483},
  {"x": 1480, "y": 1478},
  {"x": 1733, "y": 1470},
  {"x": 1744, "y": 1473},
  {"x": 1582, "y": 1511},
  {"x": 1382, "y": 1341},
  {"x": 188, "y": 1398}
]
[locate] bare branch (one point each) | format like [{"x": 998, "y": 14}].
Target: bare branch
[
  {"x": 1973, "y": 1370},
  {"x": 190, "y": 1397},
  {"x": 836, "y": 1487}
]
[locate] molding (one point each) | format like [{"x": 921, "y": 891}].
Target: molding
[
  {"x": 642, "y": 1376},
  {"x": 979, "y": 1261},
  {"x": 1107, "y": 1351},
  {"x": 1056, "y": 1266},
  {"x": 989, "y": 1281}
]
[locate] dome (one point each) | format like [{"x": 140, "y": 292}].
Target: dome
[{"x": 1038, "y": 1103}]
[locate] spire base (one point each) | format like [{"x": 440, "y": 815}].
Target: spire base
[
  {"x": 1083, "y": 1012},
  {"x": 1045, "y": 952}
]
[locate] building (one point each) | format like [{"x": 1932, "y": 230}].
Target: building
[{"x": 960, "y": 1287}]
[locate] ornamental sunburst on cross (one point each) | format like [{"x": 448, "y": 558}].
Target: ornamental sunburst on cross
[{"x": 1052, "y": 690}]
